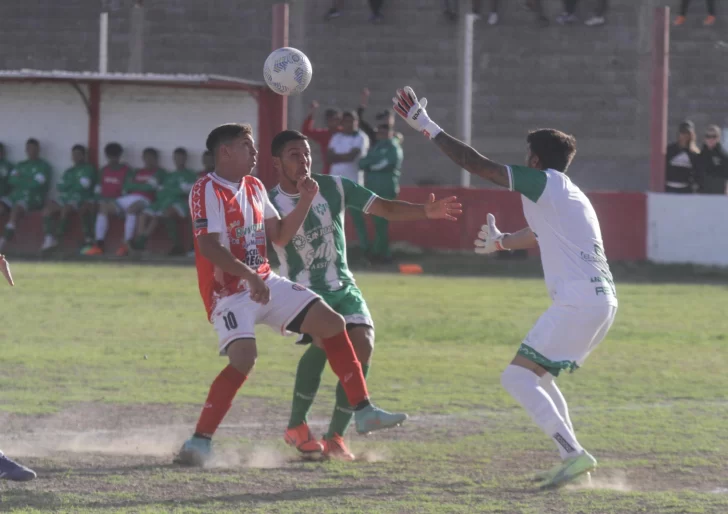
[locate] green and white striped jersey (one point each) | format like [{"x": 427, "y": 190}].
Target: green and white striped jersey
[
  {"x": 567, "y": 229},
  {"x": 316, "y": 256}
]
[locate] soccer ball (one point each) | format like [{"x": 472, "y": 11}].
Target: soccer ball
[{"x": 287, "y": 71}]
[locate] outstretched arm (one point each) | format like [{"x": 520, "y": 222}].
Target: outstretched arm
[
  {"x": 414, "y": 113},
  {"x": 469, "y": 159},
  {"x": 397, "y": 210}
]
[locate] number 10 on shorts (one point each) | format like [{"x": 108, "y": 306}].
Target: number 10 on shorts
[{"x": 230, "y": 322}]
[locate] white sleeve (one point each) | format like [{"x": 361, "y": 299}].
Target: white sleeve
[{"x": 205, "y": 210}]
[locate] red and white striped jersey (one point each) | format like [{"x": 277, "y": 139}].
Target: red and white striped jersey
[{"x": 236, "y": 212}]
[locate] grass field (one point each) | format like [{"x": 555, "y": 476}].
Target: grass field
[{"x": 103, "y": 369}]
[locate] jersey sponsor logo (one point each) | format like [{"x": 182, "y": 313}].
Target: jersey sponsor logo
[
  {"x": 240, "y": 232},
  {"x": 320, "y": 208},
  {"x": 320, "y": 257},
  {"x": 200, "y": 223},
  {"x": 299, "y": 241},
  {"x": 297, "y": 287},
  {"x": 253, "y": 258}
]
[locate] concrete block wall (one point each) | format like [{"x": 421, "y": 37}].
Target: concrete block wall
[{"x": 592, "y": 82}]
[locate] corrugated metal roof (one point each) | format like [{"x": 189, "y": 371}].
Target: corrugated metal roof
[{"x": 93, "y": 76}]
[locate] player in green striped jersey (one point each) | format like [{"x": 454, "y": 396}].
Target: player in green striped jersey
[{"x": 316, "y": 258}]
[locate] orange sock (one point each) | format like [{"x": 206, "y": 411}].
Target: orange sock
[
  {"x": 341, "y": 356},
  {"x": 219, "y": 399}
]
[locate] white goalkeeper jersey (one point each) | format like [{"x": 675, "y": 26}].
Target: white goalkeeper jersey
[{"x": 567, "y": 229}]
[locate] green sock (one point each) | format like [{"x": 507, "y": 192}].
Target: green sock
[
  {"x": 88, "y": 226},
  {"x": 172, "y": 231},
  {"x": 62, "y": 227},
  {"x": 343, "y": 412},
  {"x": 308, "y": 379},
  {"x": 48, "y": 225}
]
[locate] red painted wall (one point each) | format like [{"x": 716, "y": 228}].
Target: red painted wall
[{"x": 622, "y": 216}]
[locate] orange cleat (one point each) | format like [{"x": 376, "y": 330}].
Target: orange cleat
[
  {"x": 301, "y": 438},
  {"x": 123, "y": 250},
  {"x": 709, "y": 21},
  {"x": 679, "y": 21},
  {"x": 335, "y": 448},
  {"x": 93, "y": 250}
]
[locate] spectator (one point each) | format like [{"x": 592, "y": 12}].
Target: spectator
[
  {"x": 708, "y": 21},
  {"x": 537, "y": 7},
  {"x": 363, "y": 125},
  {"x": 450, "y": 10},
  {"x": 347, "y": 147},
  {"x": 569, "y": 14},
  {"x": 376, "y": 8},
  {"x": 108, "y": 190},
  {"x": 598, "y": 18},
  {"x": 381, "y": 168},
  {"x": 29, "y": 182},
  {"x": 208, "y": 163},
  {"x": 5, "y": 168},
  {"x": 171, "y": 204},
  {"x": 335, "y": 10},
  {"x": 683, "y": 159},
  {"x": 140, "y": 190},
  {"x": 714, "y": 163},
  {"x": 75, "y": 194},
  {"x": 322, "y": 136}
]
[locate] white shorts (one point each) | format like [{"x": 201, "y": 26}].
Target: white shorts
[
  {"x": 235, "y": 316},
  {"x": 126, "y": 201},
  {"x": 565, "y": 335}
]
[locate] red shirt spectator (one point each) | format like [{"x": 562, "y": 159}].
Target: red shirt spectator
[{"x": 322, "y": 135}]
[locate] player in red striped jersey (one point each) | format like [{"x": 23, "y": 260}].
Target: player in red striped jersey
[{"x": 232, "y": 219}]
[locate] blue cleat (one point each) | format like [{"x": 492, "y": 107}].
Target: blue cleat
[
  {"x": 372, "y": 418},
  {"x": 11, "y": 470},
  {"x": 196, "y": 451}
]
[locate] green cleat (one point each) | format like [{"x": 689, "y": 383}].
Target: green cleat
[
  {"x": 569, "y": 470},
  {"x": 196, "y": 451},
  {"x": 371, "y": 418},
  {"x": 547, "y": 473}
]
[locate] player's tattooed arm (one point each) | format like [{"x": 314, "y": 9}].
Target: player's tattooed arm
[{"x": 469, "y": 159}]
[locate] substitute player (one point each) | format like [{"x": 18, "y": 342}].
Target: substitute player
[
  {"x": 75, "y": 194},
  {"x": 562, "y": 222},
  {"x": 170, "y": 205},
  {"x": 316, "y": 258},
  {"x": 232, "y": 219},
  {"x": 29, "y": 183},
  {"x": 108, "y": 190},
  {"x": 9, "y": 469}
]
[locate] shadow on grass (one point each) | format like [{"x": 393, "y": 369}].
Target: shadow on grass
[{"x": 24, "y": 498}]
